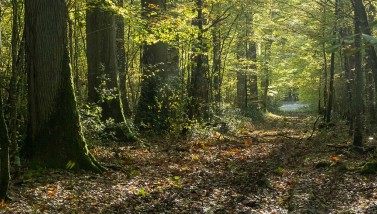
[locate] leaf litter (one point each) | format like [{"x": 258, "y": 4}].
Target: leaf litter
[{"x": 270, "y": 168}]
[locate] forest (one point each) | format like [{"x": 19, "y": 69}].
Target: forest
[{"x": 188, "y": 106}]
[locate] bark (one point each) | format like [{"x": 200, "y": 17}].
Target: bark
[{"x": 54, "y": 131}]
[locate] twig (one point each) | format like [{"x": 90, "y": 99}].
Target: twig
[{"x": 314, "y": 128}]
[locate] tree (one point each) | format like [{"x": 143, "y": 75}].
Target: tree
[
  {"x": 121, "y": 60},
  {"x": 198, "y": 85},
  {"x": 54, "y": 131},
  {"x": 359, "y": 82},
  {"x": 159, "y": 64},
  {"x": 331, "y": 91},
  {"x": 103, "y": 73},
  {"x": 4, "y": 141}
]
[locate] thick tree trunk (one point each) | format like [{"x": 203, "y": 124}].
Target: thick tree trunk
[{"x": 54, "y": 132}]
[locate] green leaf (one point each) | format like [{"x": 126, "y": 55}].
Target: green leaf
[
  {"x": 373, "y": 24},
  {"x": 333, "y": 48},
  {"x": 370, "y": 39}
]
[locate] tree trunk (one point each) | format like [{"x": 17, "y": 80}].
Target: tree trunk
[
  {"x": 359, "y": 83},
  {"x": 54, "y": 131},
  {"x": 159, "y": 64},
  {"x": 324, "y": 82},
  {"x": 4, "y": 139},
  {"x": 198, "y": 89},
  {"x": 103, "y": 76},
  {"x": 121, "y": 59},
  {"x": 266, "y": 78},
  {"x": 13, "y": 95},
  {"x": 332, "y": 70},
  {"x": 241, "y": 90},
  {"x": 4, "y": 167},
  {"x": 216, "y": 67},
  {"x": 359, "y": 9}
]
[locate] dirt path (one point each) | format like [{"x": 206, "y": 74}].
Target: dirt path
[{"x": 263, "y": 168}]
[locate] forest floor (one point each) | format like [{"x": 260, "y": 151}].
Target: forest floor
[{"x": 269, "y": 167}]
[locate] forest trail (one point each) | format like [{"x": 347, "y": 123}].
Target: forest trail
[{"x": 268, "y": 167}]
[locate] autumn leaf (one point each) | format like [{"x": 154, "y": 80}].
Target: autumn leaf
[
  {"x": 335, "y": 158},
  {"x": 52, "y": 191}
]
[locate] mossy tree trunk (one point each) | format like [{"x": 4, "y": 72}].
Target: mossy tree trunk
[{"x": 54, "y": 131}]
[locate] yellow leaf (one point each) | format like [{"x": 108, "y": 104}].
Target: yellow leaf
[{"x": 152, "y": 6}]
